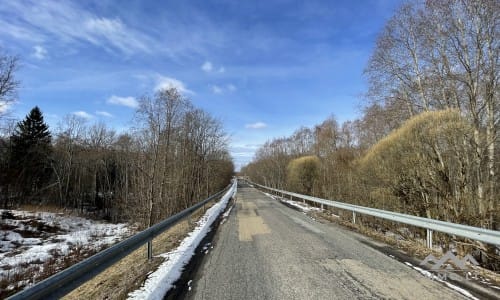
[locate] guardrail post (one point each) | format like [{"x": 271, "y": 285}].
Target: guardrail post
[
  {"x": 150, "y": 250},
  {"x": 321, "y": 206},
  {"x": 353, "y": 218},
  {"x": 429, "y": 238}
]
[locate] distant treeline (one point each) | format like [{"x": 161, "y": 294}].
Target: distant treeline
[
  {"x": 428, "y": 140},
  {"x": 173, "y": 156}
]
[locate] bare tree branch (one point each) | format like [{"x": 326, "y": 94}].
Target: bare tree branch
[{"x": 8, "y": 83}]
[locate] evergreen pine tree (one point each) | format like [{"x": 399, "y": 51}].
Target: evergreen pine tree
[
  {"x": 30, "y": 154},
  {"x": 5, "y": 175}
]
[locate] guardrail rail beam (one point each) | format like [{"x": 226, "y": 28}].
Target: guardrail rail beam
[
  {"x": 61, "y": 283},
  {"x": 484, "y": 235}
]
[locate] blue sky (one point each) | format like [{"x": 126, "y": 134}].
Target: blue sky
[{"x": 264, "y": 68}]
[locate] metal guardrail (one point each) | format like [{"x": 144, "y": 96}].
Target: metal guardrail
[
  {"x": 474, "y": 233},
  {"x": 65, "y": 281}
]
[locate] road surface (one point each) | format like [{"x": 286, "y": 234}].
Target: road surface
[{"x": 269, "y": 251}]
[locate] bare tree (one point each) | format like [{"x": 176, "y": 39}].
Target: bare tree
[
  {"x": 71, "y": 134},
  {"x": 8, "y": 83},
  {"x": 444, "y": 54}
]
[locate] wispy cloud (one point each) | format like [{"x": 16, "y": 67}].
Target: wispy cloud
[
  {"x": 83, "y": 114},
  {"x": 257, "y": 125},
  {"x": 123, "y": 101},
  {"x": 18, "y": 32},
  {"x": 242, "y": 153},
  {"x": 69, "y": 23},
  {"x": 207, "y": 67},
  {"x": 115, "y": 33},
  {"x": 217, "y": 89},
  {"x": 39, "y": 52},
  {"x": 104, "y": 114},
  {"x": 231, "y": 88},
  {"x": 243, "y": 150},
  {"x": 164, "y": 82},
  {"x": 4, "y": 106},
  {"x": 76, "y": 24}
]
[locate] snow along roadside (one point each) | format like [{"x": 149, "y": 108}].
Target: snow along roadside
[
  {"x": 301, "y": 206},
  {"x": 159, "y": 282},
  {"x": 434, "y": 277}
]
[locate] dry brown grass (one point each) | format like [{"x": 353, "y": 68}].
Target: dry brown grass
[{"x": 130, "y": 272}]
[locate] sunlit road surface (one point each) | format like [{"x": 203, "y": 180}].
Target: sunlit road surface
[{"x": 269, "y": 251}]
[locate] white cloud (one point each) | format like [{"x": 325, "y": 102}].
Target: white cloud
[
  {"x": 67, "y": 22},
  {"x": 4, "y": 106},
  {"x": 207, "y": 67},
  {"x": 216, "y": 89},
  {"x": 258, "y": 125},
  {"x": 19, "y": 32},
  {"x": 73, "y": 23},
  {"x": 123, "y": 101},
  {"x": 242, "y": 154},
  {"x": 40, "y": 52},
  {"x": 231, "y": 88},
  {"x": 104, "y": 114},
  {"x": 115, "y": 33},
  {"x": 104, "y": 26},
  {"x": 163, "y": 82},
  {"x": 83, "y": 114}
]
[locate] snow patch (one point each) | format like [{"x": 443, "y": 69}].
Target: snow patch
[
  {"x": 226, "y": 215},
  {"x": 269, "y": 195},
  {"x": 436, "y": 278},
  {"x": 29, "y": 239},
  {"x": 300, "y": 205},
  {"x": 159, "y": 282}
]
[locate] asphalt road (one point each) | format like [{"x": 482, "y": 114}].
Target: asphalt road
[{"x": 266, "y": 250}]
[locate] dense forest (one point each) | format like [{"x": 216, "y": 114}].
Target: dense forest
[
  {"x": 173, "y": 156},
  {"x": 427, "y": 142}
]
